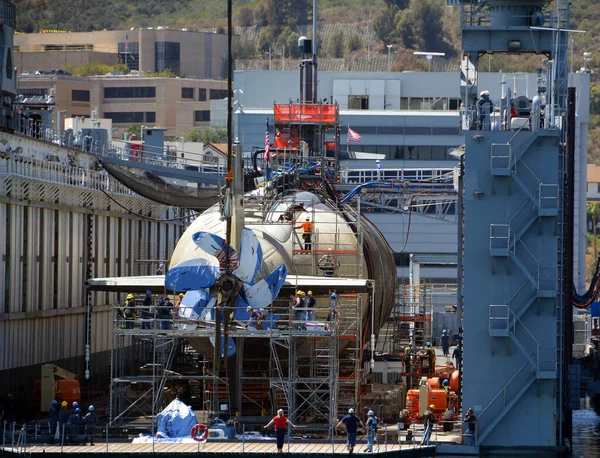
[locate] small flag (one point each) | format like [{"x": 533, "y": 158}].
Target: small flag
[
  {"x": 353, "y": 136},
  {"x": 267, "y": 157},
  {"x": 126, "y": 42}
]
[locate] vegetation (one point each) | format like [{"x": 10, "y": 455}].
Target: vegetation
[
  {"x": 95, "y": 69},
  {"x": 212, "y": 135}
]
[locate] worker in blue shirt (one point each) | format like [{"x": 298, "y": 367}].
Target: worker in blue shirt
[{"x": 352, "y": 423}]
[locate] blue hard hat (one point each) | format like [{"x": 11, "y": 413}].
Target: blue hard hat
[
  {"x": 77, "y": 410},
  {"x": 429, "y": 344},
  {"x": 91, "y": 408},
  {"x": 54, "y": 402},
  {"x": 148, "y": 292},
  {"x": 445, "y": 382},
  {"x": 333, "y": 295}
]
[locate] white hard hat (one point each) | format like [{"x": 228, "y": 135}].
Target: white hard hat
[
  {"x": 370, "y": 413},
  {"x": 377, "y": 160},
  {"x": 351, "y": 411},
  {"x": 482, "y": 93}
]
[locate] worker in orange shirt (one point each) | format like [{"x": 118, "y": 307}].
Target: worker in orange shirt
[{"x": 307, "y": 230}]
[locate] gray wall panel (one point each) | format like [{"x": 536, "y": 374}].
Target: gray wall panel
[
  {"x": 3, "y": 254},
  {"x": 16, "y": 263}
]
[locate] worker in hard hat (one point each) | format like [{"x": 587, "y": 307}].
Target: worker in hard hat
[
  {"x": 63, "y": 416},
  {"x": 378, "y": 167},
  {"x": 352, "y": 423},
  {"x": 256, "y": 314},
  {"x": 372, "y": 425},
  {"x": 428, "y": 422},
  {"x": 471, "y": 422},
  {"x": 485, "y": 107},
  {"x": 307, "y": 230},
  {"x": 328, "y": 264},
  {"x": 73, "y": 423},
  {"x": 90, "y": 421},
  {"x": 161, "y": 269},
  {"x": 333, "y": 311},
  {"x": 408, "y": 357},
  {"x": 299, "y": 306},
  {"x": 127, "y": 311},
  {"x": 147, "y": 312},
  {"x": 53, "y": 418},
  {"x": 430, "y": 357},
  {"x": 445, "y": 339}
]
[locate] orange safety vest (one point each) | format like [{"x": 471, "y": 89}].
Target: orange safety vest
[{"x": 307, "y": 227}]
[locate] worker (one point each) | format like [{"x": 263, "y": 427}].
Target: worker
[
  {"x": 428, "y": 422},
  {"x": 73, "y": 423},
  {"x": 448, "y": 417},
  {"x": 372, "y": 424},
  {"x": 352, "y": 422},
  {"x": 127, "y": 311},
  {"x": 333, "y": 310},
  {"x": 281, "y": 422},
  {"x": 307, "y": 230},
  {"x": 485, "y": 107},
  {"x": 430, "y": 357},
  {"x": 446, "y": 386},
  {"x": 378, "y": 167},
  {"x": 178, "y": 303},
  {"x": 445, "y": 339},
  {"x": 53, "y": 419},
  {"x": 408, "y": 357},
  {"x": 160, "y": 270},
  {"x": 328, "y": 264},
  {"x": 311, "y": 304},
  {"x": 63, "y": 416},
  {"x": 90, "y": 421},
  {"x": 73, "y": 407},
  {"x": 290, "y": 213},
  {"x": 256, "y": 314},
  {"x": 471, "y": 422},
  {"x": 457, "y": 356},
  {"x": 147, "y": 312},
  {"x": 164, "y": 313}
]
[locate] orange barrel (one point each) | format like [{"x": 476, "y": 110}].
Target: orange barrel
[
  {"x": 69, "y": 390},
  {"x": 437, "y": 397},
  {"x": 433, "y": 382},
  {"x": 454, "y": 381}
]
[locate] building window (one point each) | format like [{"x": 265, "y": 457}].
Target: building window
[
  {"x": 9, "y": 64},
  {"x": 187, "y": 93},
  {"x": 358, "y": 102},
  {"x": 202, "y": 116},
  {"x": 33, "y": 92},
  {"x": 131, "y": 116},
  {"x": 142, "y": 92},
  {"x": 130, "y": 55},
  {"x": 598, "y": 188},
  {"x": 218, "y": 94},
  {"x": 80, "y": 95},
  {"x": 202, "y": 94},
  {"x": 166, "y": 56}
]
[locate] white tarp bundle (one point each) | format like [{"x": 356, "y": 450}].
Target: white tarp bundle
[{"x": 176, "y": 420}]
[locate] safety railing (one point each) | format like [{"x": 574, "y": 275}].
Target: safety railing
[
  {"x": 57, "y": 172},
  {"x": 500, "y": 237},
  {"x": 499, "y": 320},
  {"x": 169, "y": 320},
  {"x": 430, "y": 175},
  {"x": 133, "y": 151},
  {"x": 451, "y": 431}
]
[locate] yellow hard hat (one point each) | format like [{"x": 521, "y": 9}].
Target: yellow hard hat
[
  {"x": 130, "y": 296},
  {"x": 63, "y": 404},
  {"x": 181, "y": 294},
  {"x": 432, "y": 407}
]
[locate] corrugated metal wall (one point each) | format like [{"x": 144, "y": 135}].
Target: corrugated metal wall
[{"x": 45, "y": 252}]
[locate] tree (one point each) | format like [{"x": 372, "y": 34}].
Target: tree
[
  {"x": 246, "y": 17},
  {"x": 96, "y": 68},
  {"x": 212, "y": 135},
  {"x": 594, "y": 98},
  {"x": 384, "y": 25},
  {"x": 336, "y": 45},
  {"x": 353, "y": 43},
  {"x": 593, "y": 210},
  {"x": 420, "y": 26}
]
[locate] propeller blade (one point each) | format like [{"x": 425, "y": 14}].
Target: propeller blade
[
  {"x": 193, "y": 303},
  {"x": 230, "y": 346},
  {"x": 191, "y": 274},
  {"x": 263, "y": 293},
  {"x": 215, "y": 246},
  {"x": 250, "y": 257}
]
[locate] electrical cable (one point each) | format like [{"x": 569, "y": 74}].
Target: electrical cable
[{"x": 131, "y": 212}]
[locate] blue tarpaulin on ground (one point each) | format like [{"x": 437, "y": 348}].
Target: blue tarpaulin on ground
[{"x": 176, "y": 420}]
